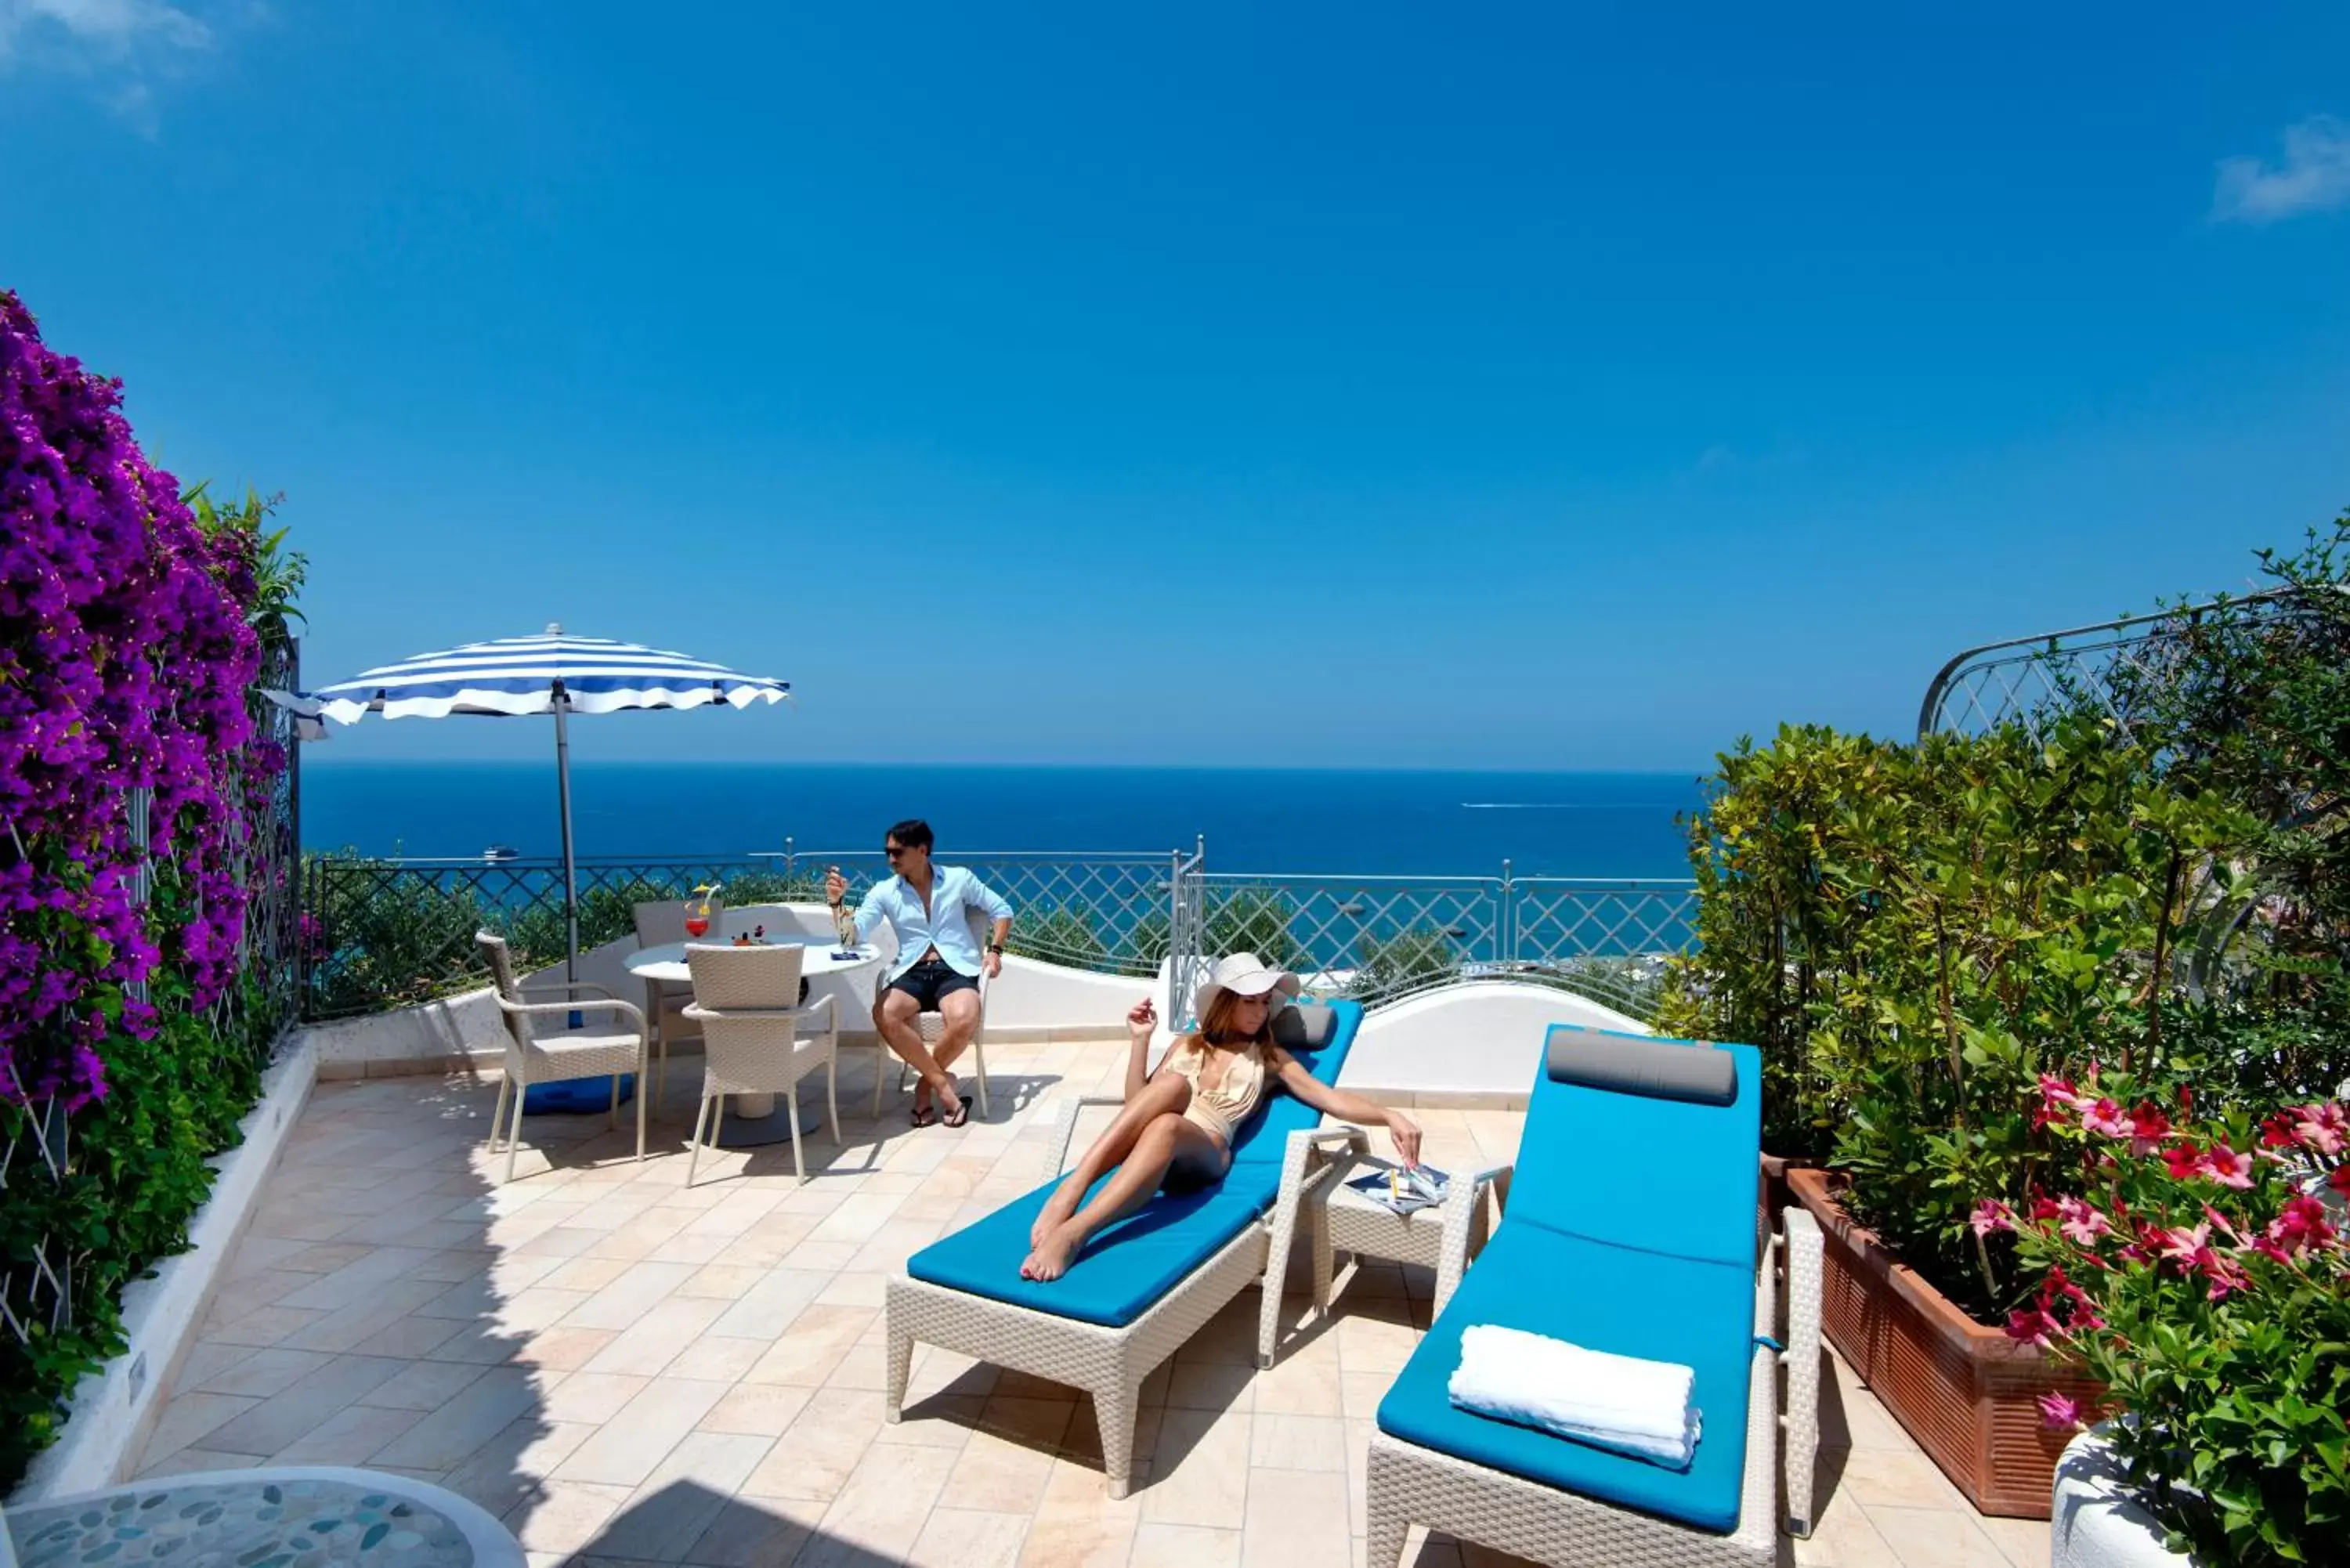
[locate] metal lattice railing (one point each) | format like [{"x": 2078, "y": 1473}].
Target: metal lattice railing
[
  {"x": 384, "y": 933},
  {"x": 2101, "y": 668},
  {"x": 36, "y": 1276},
  {"x": 1379, "y": 938},
  {"x": 388, "y": 932}
]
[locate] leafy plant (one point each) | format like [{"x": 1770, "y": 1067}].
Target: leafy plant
[
  {"x": 1253, "y": 919},
  {"x": 1406, "y": 960},
  {"x": 1062, "y": 934},
  {"x": 2201, "y": 1278}
]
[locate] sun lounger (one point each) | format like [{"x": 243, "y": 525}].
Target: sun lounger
[
  {"x": 1633, "y": 1227},
  {"x": 1140, "y": 1288}
]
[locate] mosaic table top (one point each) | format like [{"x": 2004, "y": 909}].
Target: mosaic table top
[{"x": 313, "y": 1520}]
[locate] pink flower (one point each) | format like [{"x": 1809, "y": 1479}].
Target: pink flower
[
  {"x": 2301, "y": 1224},
  {"x": 2338, "y": 1178},
  {"x": 2106, "y": 1117},
  {"x": 2226, "y": 1277},
  {"x": 2183, "y": 1159},
  {"x": 2082, "y": 1222},
  {"x": 1991, "y": 1215},
  {"x": 2321, "y": 1126},
  {"x": 2059, "y": 1412},
  {"x": 2228, "y": 1168},
  {"x": 2033, "y": 1325},
  {"x": 2055, "y": 1090},
  {"x": 2187, "y": 1248},
  {"x": 2148, "y": 1128}
]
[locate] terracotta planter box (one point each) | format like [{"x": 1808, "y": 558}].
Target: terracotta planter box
[{"x": 1967, "y": 1394}]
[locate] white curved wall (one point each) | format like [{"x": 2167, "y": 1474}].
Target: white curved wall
[{"x": 1474, "y": 1037}]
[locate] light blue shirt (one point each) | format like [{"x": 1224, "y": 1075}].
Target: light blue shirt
[{"x": 945, "y": 925}]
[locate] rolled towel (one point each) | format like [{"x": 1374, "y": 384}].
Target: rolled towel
[{"x": 1617, "y": 1402}]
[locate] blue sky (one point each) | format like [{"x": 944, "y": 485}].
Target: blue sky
[{"x": 1355, "y": 384}]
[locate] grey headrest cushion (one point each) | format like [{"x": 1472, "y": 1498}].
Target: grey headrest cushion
[
  {"x": 1305, "y": 1026},
  {"x": 1659, "y": 1070}
]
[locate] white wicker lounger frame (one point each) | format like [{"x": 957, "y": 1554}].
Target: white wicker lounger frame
[
  {"x": 1409, "y": 1484},
  {"x": 1110, "y": 1364}
]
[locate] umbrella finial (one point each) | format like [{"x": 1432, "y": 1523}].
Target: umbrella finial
[{"x": 554, "y": 629}]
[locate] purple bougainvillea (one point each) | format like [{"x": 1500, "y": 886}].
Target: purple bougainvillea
[{"x": 125, "y": 656}]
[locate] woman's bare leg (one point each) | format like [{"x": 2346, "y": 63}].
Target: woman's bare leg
[
  {"x": 1161, "y": 1143},
  {"x": 1166, "y": 1093}
]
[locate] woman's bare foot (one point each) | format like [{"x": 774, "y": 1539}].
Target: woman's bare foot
[
  {"x": 1051, "y": 1259},
  {"x": 1056, "y": 1211}
]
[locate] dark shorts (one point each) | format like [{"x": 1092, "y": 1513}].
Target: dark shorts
[{"x": 930, "y": 980}]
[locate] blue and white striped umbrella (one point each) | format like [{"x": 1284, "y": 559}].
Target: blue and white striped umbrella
[
  {"x": 517, "y": 675},
  {"x": 549, "y": 673}
]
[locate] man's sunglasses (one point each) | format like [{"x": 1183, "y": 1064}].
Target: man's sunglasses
[{"x": 893, "y": 850}]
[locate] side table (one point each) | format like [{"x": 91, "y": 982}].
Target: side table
[{"x": 1443, "y": 1237}]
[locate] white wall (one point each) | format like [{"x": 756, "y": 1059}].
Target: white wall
[{"x": 1474, "y": 1037}]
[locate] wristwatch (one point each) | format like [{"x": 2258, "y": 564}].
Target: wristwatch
[{"x": 995, "y": 947}]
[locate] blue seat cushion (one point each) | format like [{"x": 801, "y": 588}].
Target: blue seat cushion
[
  {"x": 1606, "y": 1165},
  {"x": 1696, "y": 1313},
  {"x": 1128, "y": 1267}
]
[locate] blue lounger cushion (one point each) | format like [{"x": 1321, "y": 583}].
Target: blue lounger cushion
[
  {"x": 1128, "y": 1267},
  {"x": 1631, "y": 1230}
]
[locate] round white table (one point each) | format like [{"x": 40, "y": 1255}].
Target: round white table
[{"x": 751, "y": 1122}]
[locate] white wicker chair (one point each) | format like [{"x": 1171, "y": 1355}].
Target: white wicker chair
[
  {"x": 660, "y": 922},
  {"x": 933, "y": 1027},
  {"x": 744, "y": 1001},
  {"x": 533, "y": 1058}
]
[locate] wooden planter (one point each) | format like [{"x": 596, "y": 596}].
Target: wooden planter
[{"x": 1967, "y": 1394}]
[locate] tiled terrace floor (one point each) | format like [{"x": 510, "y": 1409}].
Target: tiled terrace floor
[{"x": 626, "y": 1368}]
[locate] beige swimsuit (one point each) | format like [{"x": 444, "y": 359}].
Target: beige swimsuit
[{"x": 1220, "y": 1110}]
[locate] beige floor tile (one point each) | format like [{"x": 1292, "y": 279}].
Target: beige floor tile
[
  {"x": 366, "y": 1323},
  {"x": 359, "y": 1280},
  {"x": 1285, "y": 1442},
  {"x": 564, "y": 1349},
  {"x": 881, "y": 1510},
  {"x": 1296, "y": 1519},
  {"x": 1844, "y": 1537},
  {"x": 1200, "y": 1473},
  {"x": 423, "y": 1385},
  {"x": 812, "y": 1346},
  {"x": 683, "y": 1497},
  {"x": 713, "y": 1359},
  {"x": 998, "y": 1474},
  {"x": 1302, "y": 1385},
  {"x": 2024, "y": 1541},
  {"x": 1159, "y": 1545},
  {"x": 756, "y": 1410},
  {"x": 195, "y": 1462},
  {"x": 351, "y": 1436},
  {"x": 259, "y": 1328},
  {"x": 938, "y": 1421},
  {"x": 513, "y": 1465},
  {"x": 1935, "y": 1537},
  {"x": 819, "y": 1449},
  {"x": 564, "y": 1516},
  {"x": 1211, "y": 1386},
  {"x": 857, "y": 1289},
  {"x": 192, "y": 1417},
  {"x": 756, "y": 1532},
  {"x": 591, "y": 1396},
  {"x": 656, "y": 1340},
  {"x": 723, "y": 1281},
  {"x": 632, "y": 1444},
  {"x": 1896, "y": 1478},
  {"x": 629, "y": 1297},
  {"x": 856, "y": 1219},
  {"x": 967, "y": 1538},
  {"x": 767, "y": 1308},
  {"x": 585, "y": 1274},
  {"x": 446, "y": 1437},
  {"x": 324, "y": 1390}
]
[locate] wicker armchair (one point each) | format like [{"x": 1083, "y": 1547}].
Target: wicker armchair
[
  {"x": 750, "y": 1042},
  {"x": 534, "y": 1058},
  {"x": 660, "y": 922}
]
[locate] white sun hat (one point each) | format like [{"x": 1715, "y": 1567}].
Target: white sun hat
[{"x": 1245, "y": 974}]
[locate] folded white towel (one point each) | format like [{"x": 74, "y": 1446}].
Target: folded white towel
[{"x": 1619, "y": 1402}]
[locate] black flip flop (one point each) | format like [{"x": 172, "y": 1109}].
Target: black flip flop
[
  {"x": 923, "y": 1115},
  {"x": 961, "y": 1113}
]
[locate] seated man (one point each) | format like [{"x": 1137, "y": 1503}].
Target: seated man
[{"x": 938, "y": 964}]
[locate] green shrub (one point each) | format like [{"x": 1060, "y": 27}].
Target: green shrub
[
  {"x": 1061, "y": 934},
  {"x": 1406, "y": 960},
  {"x": 1253, "y": 919}
]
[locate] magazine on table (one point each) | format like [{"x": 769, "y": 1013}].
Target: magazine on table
[{"x": 1405, "y": 1191}]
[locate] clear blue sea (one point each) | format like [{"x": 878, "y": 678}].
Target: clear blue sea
[{"x": 1359, "y": 823}]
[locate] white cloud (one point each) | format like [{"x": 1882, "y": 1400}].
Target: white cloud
[
  {"x": 2314, "y": 176},
  {"x": 116, "y": 27}
]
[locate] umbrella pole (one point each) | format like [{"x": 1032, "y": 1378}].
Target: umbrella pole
[{"x": 570, "y": 871}]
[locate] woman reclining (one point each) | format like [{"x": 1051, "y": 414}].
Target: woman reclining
[{"x": 1178, "y": 1124}]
